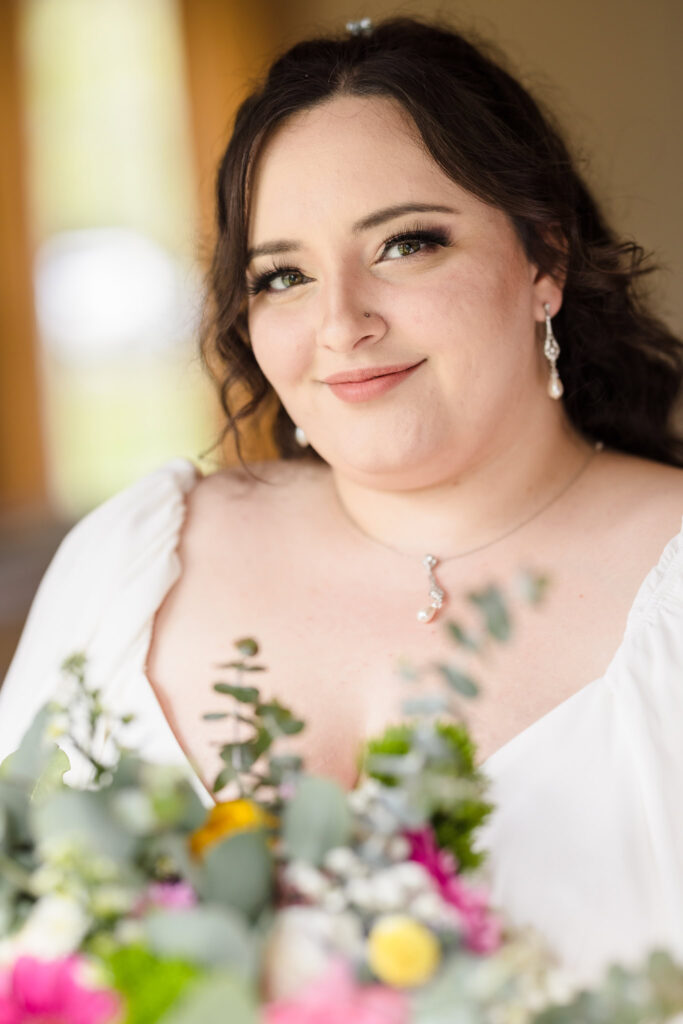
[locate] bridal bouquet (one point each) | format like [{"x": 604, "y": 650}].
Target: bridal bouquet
[{"x": 292, "y": 902}]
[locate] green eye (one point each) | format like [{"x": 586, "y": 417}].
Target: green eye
[{"x": 288, "y": 279}]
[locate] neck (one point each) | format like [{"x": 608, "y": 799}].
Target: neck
[{"x": 488, "y": 497}]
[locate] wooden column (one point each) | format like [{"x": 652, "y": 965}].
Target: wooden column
[
  {"x": 22, "y": 464},
  {"x": 228, "y": 44}
]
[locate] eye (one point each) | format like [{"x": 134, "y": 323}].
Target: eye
[
  {"x": 279, "y": 279},
  {"x": 408, "y": 243}
]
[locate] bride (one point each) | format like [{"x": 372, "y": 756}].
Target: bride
[{"x": 413, "y": 281}]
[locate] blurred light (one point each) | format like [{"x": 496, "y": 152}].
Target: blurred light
[{"x": 107, "y": 292}]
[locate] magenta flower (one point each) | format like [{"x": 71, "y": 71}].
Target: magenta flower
[
  {"x": 39, "y": 991},
  {"x": 171, "y": 895},
  {"x": 481, "y": 928},
  {"x": 336, "y": 998}
]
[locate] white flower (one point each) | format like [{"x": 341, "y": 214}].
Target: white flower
[
  {"x": 387, "y": 890},
  {"x": 306, "y": 879},
  {"x": 359, "y": 891},
  {"x": 111, "y": 899},
  {"x": 343, "y": 862},
  {"x": 302, "y": 944},
  {"x": 46, "y": 879},
  {"x": 398, "y": 848},
  {"x": 412, "y": 877},
  {"x": 433, "y": 911},
  {"x": 334, "y": 901},
  {"x": 361, "y": 798},
  {"x": 55, "y": 927}
]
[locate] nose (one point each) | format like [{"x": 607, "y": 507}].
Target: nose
[{"x": 347, "y": 318}]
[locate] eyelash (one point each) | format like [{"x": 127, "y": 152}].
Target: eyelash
[{"x": 428, "y": 236}]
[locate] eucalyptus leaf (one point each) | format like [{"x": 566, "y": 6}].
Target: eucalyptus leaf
[
  {"x": 15, "y": 811},
  {"x": 396, "y": 766},
  {"x": 279, "y": 719},
  {"x": 34, "y": 750},
  {"x": 52, "y": 775},
  {"x": 244, "y": 694},
  {"x": 462, "y": 636},
  {"x": 286, "y": 763},
  {"x": 316, "y": 819},
  {"x": 222, "y": 999},
  {"x": 493, "y": 608},
  {"x": 238, "y": 873},
  {"x": 241, "y": 666},
  {"x": 430, "y": 704},
  {"x": 458, "y": 680},
  {"x": 247, "y": 646},
  {"x": 532, "y": 586},
  {"x": 210, "y": 936},
  {"x": 226, "y": 775},
  {"x": 242, "y": 756},
  {"x": 85, "y": 818}
]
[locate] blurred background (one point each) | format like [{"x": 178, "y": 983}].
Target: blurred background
[{"x": 114, "y": 115}]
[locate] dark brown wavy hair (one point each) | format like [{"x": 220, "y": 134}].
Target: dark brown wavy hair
[{"x": 621, "y": 367}]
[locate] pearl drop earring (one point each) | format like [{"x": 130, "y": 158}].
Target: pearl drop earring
[{"x": 551, "y": 350}]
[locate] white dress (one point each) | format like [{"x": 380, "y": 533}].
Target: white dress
[{"x": 586, "y": 842}]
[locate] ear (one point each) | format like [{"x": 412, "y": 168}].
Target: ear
[{"x": 549, "y": 284}]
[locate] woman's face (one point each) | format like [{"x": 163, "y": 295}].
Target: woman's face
[{"x": 350, "y": 217}]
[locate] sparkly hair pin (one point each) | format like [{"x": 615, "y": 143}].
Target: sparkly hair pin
[{"x": 359, "y": 28}]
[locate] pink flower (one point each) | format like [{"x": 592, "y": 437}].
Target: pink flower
[
  {"x": 481, "y": 928},
  {"x": 49, "y": 991},
  {"x": 170, "y": 895},
  {"x": 336, "y": 998}
]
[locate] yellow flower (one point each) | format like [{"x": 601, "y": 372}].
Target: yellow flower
[
  {"x": 227, "y": 818},
  {"x": 402, "y": 952}
]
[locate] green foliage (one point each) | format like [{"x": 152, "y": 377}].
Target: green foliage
[
  {"x": 245, "y": 694},
  {"x": 247, "y": 760},
  {"x": 455, "y": 819},
  {"x": 316, "y": 819},
  {"x": 492, "y": 605},
  {"x": 221, "y": 998},
  {"x": 205, "y": 935},
  {"x": 238, "y": 873},
  {"x": 652, "y": 995},
  {"x": 149, "y": 984},
  {"x": 457, "y": 680}
]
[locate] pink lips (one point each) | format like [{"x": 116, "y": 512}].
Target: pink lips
[{"x": 361, "y": 385}]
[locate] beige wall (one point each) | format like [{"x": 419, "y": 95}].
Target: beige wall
[{"x": 611, "y": 70}]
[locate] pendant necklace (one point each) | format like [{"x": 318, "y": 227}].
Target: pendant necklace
[{"x": 437, "y": 594}]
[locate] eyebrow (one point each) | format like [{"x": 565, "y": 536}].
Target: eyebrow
[{"x": 372, "y": 220}]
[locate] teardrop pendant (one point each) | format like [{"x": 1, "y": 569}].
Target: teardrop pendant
[
  {"x": 555, "y": 386},
  {"x": 436, "y": 594}
]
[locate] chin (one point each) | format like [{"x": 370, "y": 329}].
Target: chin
[{"x": 384, "y": 470}]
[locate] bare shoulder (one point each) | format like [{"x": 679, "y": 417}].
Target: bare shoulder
[
  {"x": 638, "y": 503},
  {"x": 646, "y": 487},
  {"x": 246, "y": 504}
]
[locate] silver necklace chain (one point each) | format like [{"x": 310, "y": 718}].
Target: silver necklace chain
[{"x": 436, "y": 593}]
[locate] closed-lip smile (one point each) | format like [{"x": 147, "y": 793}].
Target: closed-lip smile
[
  {"x": 368, "y": 382},
  {"x": 367, "y": 373}
]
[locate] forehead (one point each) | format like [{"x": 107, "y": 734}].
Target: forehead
[{"x": 339, "y": 161}]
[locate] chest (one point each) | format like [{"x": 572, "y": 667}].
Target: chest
[{"x": 334, "y": 644}]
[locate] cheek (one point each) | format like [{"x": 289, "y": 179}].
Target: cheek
[
  {"x": 484, "y": 304},
  {"x": 279, "y": 347}
]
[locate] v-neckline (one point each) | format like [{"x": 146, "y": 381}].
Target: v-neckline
[
  {"x": 634, "y": 616},
  {"x": 516, "y": 740}
]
